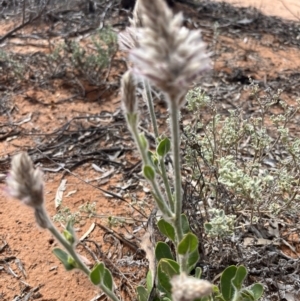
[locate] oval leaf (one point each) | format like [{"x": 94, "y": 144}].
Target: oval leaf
[
  {"x": 142, "y": 293},
  {"x": 247, "y": 295},
  {"x": 185, "y": 224},
  {"x": 69, "y": 237},
  {"x": 257, "y": 290},
  {"x": 95, "y": 274},
  {"x": 149, "y": 281},
  {"x": 64, "y": 258},
  {"x": 151, "y": 159},
  {"x": 208, "y": 227},
  {"x": 162, "y": 250},
  {"x": 166, "y": 229},
  {"x": 143, "y": 141},
  {"x": 188, "y": 244},
  {"x": 107, "y": 279},
  {"x": 198, "y": 273},
  {"x": 149, "y": 172},
  {"x": 166, "y": 270},
  {"x": 239, "y": 278},
  {"x": 70, "y": 227},
  {"x": 163, "y": 147},
  {"x": 227, "y": 289},
  {"x": 193, "y": 260}
]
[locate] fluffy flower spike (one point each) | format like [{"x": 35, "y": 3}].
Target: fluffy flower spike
[
  {"x": 128, "y": 93},
  {"x": 25, "y": 183},
  {"x": 186, "y": 288},
  {"x": 168, "y": 54}
]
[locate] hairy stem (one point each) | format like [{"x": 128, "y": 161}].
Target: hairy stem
[
  {"x": 156, "y": 133},
  {"x": 151, "y": 108},
  {"x": 109, "y": 293},
  {"x": 160, "y": 201},
  {"x": 167, "y": 184},
  {"x": 70, "y": 249},
  {"x": 44, "y": 217},
  {"x": 174, "y": 124}
]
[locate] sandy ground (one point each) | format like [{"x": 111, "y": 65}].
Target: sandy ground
[{"x": 287, "y": 9}]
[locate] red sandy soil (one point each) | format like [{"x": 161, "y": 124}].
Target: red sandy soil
[{"x": 287, "y": 9}]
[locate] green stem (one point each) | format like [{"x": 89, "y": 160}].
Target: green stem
[
  {"x": 236, "y": 296},
  {"x": 138, "y": 142},
  {"x": 110, "y": 294},
  {"x": 160, "y": 201},
  {"x": 167, "y": 184},
  {"x": 174, "y": 124},
  {"x": 151, "y": 108},
  {"x": 156, "y": 133},
  {"x": 70, "y": 249}
]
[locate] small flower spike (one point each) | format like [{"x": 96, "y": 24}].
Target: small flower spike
[{"x": 25, "y": 183}]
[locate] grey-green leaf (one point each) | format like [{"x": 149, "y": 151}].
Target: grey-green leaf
[
  {"x": 188, "y": 244},
  {"x": 97, "y": 273},
  {"x": 69, "y": 237},
  {"x": 198, "y": 272},
  {"x": 149, "y": 172},
  {"x": 107, "y": 279},
  {"x": 185, "y": 224},
  {"x": 219, "y": 298},
  {"x": 166, "y": 229},
  {"x": 70, "y": 227},
  {"x": 193, "y": 260},
  {"x": 247, "y": 295},
  {"x": 152, "y": 159},
  {"x": 239, "y": 277},
  {"x": 64, "y": 258},
  {"x": 227, "y": 289},
  {"x": 162, "y": 250},
  {"x": 207, "y": 227},
  {"x": 257, "y": 290},
  {"x": 143, "y": 141},
  {"x": 163, "y": 147},
  {"x": 166, "y": 270},
  {"x": 149, "y": 281},
  {"x": 142, "y": 293}
]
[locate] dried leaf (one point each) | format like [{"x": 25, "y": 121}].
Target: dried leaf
[
  {"x": 88, "y": 232},
  {"x": 61, "y": 166},
  {"x": 250, "y": 241},
  {"x": 97, "y": 168},
  {"x": 59, "y": 193},
  {"x": 107, "y": 173},
  {"x": 115, "y": 155},
  {"x": 71, "y": 193},
  {"x": 20, "y": 267},
  {"x": 27, "y": 119}
]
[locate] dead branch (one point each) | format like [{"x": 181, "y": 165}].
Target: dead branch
[{"x": 23, "y": 24}]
